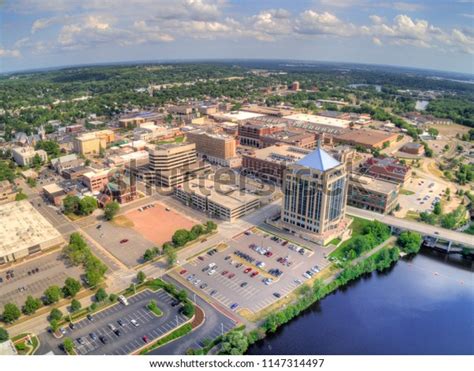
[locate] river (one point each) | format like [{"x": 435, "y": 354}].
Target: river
[{"x": 421, "y": 306}]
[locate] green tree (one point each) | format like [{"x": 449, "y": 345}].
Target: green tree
[
  {"x": 427, "y": 218},
  {"x": 437, "y": 210},
  {"x": 171, "y": 255},
  {"x": 448, "y": 221},
  {"x": 141, "y": 277},
  {"x": 234, "y": 343},
  {"x": 180, "y": 237},
  {"x": 210, "y": 226},
  {"x": 87, "y": 205},
  {"x": 75, "y": 305},
  {"x": 10, "y": 313},
  {"x": 55, "y": 314},
  {"x": 433, "y": 132},
  {"x": 188, "y": 309},
  {"x": 54, "y": 324},
  {"x": 77, "y": 252},
  {"x": 36, "y": 162},
  {"x": 71, "y": 204},
  {"x": 111, "y": 209},
  {"x": 20, "y": 196},
  {"x": 4, "y": 336},
  {"x": 68, "y": 345},
  {"x": 409, "y": 242},
  {"x": 71, "y": 287},
  {"x": 182, "y": 295},
  {"x": 100, "y": 295},
  {"x": 51, "y": 295},
  {"x": 31, "y": 305},
  {"x": 50, "y": 147}
]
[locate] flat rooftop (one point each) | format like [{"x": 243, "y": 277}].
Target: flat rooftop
[
  {"x": 221, "y": 194},
  {"x": 283, "y": 154},
  {"x": 21, "y": 227},
  {"x": 376, "y": 185},
  {"x": 319, "y": 120},
  {"x": 367, "y": 136},
  {"x": 241, "y": 115}
]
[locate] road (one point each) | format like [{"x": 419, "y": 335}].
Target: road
[{"x": 424, "y": 229}]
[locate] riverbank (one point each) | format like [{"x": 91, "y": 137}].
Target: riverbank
[{"x": 420, "y": 305}]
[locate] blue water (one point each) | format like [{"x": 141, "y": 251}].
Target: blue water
[{"x": 422, "y": 306}]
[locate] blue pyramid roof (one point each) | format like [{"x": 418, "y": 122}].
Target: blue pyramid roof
[{"x": 319, "y": 159}]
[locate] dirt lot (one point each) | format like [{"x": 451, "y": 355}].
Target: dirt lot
[{"x": 157, "y": 224}]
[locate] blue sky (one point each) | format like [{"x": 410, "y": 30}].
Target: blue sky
[{"x": 427, "y": 34}]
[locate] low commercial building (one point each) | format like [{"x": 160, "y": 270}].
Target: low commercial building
[
  {"x": 320, "y": 120},
  {"x": 293, "y": 138},
  {"x": 386, "y": 168},
  {"x": 216, "y": 148},
  {"x": 54, "y": 193},
  {"x": 95, "y": 181},
  {"x": 372, "y": 194},
  {"x": 24, "y": 231},
  {"x": 7, "y": 192},
  {"x": 367, "y": 138},
  {"x": 66, "y": 162},
  {"x": 251, "y": 133},
  {"x": 92, "y": 143},
  {"x": 149, "y": 132},
  {"x": 217, "y": 200},
  {"x": 412, "y": 148},
  {"x": 120, "y": 190},
  {"x": 24, "y": 156},
  {"x": 270, "y": 163}
]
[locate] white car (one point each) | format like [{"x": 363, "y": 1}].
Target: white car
[
  {"x": 211, "y": 272},
  {"x": 306, "y": 275},
  {"x": 134, "y": 323}
]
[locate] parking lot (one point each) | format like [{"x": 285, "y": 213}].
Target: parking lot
[
  {"x": 237, "y": 282},
  {"x": 425, "y": 193},
  {"x": 110, "y": 235},
  {"x": 106, "y": 341},
  {"x": 33, "y": 277}
]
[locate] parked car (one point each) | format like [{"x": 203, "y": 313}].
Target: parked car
[
  {"x": 125, "y": 240},
  {"x": 134, "y": 322},
  {"x": 234, "y": 306}
]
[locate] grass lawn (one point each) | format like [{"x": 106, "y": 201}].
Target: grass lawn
[
  {"x": 406, "y": 192},
  {"x": 412, "y": 215},
  {"x": 152, "y": 307},
  {"x": 334, "y": 242},
  {"x": 357, "y": 227}
]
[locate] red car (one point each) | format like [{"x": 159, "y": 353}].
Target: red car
[
  {"x": 246, "y": 270},
  {"x": 183, "y": 271},
  {"x": 268, "y": 254},
  {"x": 231, "y": 275},
  {"x": 224, "y": 273},
  {"x": 201, "y": 258},
  {"x": 124, "y": 240},
  {"x": 145, "y": 338},
  {"x": 254, "y": 274}
]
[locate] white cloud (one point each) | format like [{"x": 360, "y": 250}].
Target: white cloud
[
  {"x": 377, "y": 41},
  {"x": 9, "y": 53},
  {"x": 310, "y": 22}
]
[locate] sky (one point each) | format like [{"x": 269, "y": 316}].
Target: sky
[{"x": 431, "y": 34}]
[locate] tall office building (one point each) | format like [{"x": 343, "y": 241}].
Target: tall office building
[
  {"x": 315, "y": 193},
  {"x": 173, "y": 164}
]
